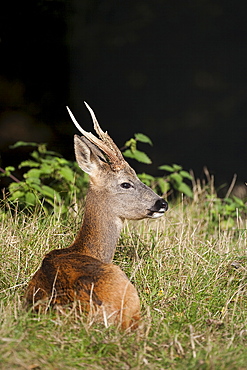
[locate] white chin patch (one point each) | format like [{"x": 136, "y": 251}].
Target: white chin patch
[{"x": 157, "y": 214}]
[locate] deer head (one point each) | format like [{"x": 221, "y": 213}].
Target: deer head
[{"x": 127, "y": 197}]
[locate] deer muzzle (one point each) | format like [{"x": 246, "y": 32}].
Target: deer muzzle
[{"x": 158, "y": 209}]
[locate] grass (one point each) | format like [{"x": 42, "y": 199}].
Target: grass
[{"x": 191, "y": 276}]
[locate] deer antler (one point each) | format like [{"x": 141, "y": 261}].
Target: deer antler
[{"x": 104, "y": 142}]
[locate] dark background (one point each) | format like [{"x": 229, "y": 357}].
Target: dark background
[{"x": 173, "y": 70}]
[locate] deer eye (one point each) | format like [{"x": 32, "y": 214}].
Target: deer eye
[{"x": 126, "y": 185}]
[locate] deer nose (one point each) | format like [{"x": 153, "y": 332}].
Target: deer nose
[
  {"x": 158, "y": 209},
  {"x": 161, "y": 204}
]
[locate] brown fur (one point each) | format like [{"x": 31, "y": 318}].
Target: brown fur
[{"x": 66, "y": 276}]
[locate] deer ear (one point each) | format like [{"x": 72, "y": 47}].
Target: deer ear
[{"x": 87, "y": 155}]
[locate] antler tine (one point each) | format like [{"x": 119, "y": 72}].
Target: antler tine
[
  {"x": 88, "y": 135},
  {"x": 79, "y": 128},
  {"x": 97, "y": 127},
  {"x": 104, "y": 135},
  {"x": 115, "y": 156}
]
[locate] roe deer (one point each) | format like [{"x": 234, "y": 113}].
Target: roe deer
[{"x": 84, "y": 271}]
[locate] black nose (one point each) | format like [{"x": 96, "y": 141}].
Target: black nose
[{"x": 161, "y": 204}]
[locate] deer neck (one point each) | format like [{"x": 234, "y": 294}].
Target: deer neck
[{"x": 100, "y": 229}]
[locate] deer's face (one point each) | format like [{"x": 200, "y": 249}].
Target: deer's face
[
  {"x": 114, "y": 184},
  {"x": 127, "y": 197}
]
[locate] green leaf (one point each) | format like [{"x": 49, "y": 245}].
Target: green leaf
[
  {"x": 38, "y": 188},
  {"x": 131, "y": 143},
  {"x": 238, "y": 201},
  {"x": 176, "y": 167},
  {"x": 145, "y": 176},
  {"x": 42, "y": 148},
  {"x": 17, "y": 195},
  {"x": 50, "y": 192},
  {"x": 33, "y": 180},
  {"x": 142, "y": 157},
  {"x": 227, "y": 224},
  {"x": 30, "y": 198},
  {"x": 28, "y": 163},
  {"x": 32, "y": 173},
  {"x": 128, "y": 153},
  {"x": 164, "y": 185},
  {"x": 185, "y": 175},
  {"x": 176, "y": 178},
  {"x": 137, "y": 155},
  {"x": 230, "y": 209},
  {"x": 61, "y": 160},
  {"x": 23, "y": 143},
  {"x": 166, "y": 167},
  {"x": 9, "y": 168},
  {"x": 15, "y": 186},
  {"x": 8, "y": 171},
  {"x": 143, "y": 138},
  {"x": 67, "y": 174},
  {"x": 46, "y": 168},
  {"x": 35, "y": 155},
  {"x": 185, "y": 189}
]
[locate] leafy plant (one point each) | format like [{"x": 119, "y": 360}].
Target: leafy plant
[
  {"x": 51, "y": 179},
  {"x": 131, "y": 150},
  {"x": 175, "y": 181},
  {"x": 225, "y": 211}
]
